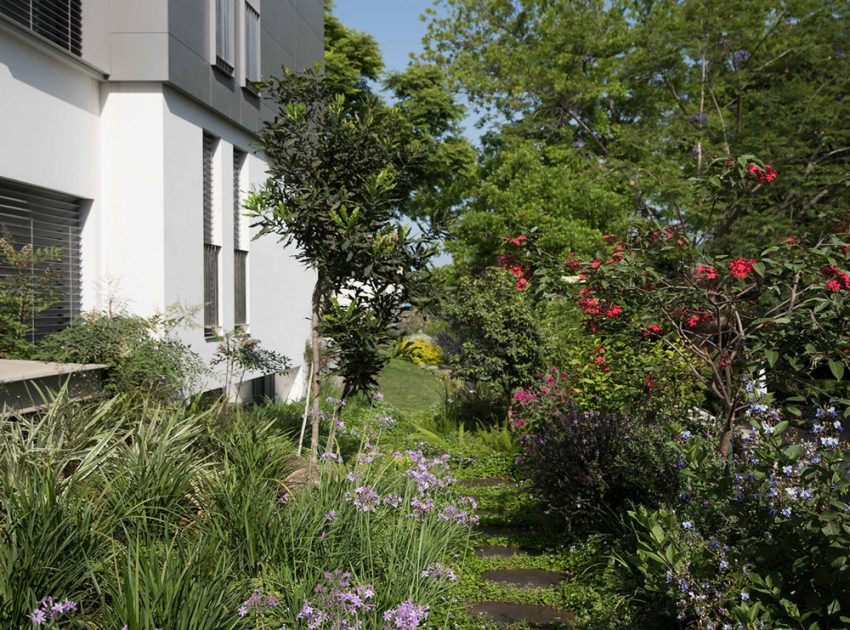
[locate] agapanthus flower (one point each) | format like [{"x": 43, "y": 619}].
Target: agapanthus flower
[{"x": 406, "y": 616}]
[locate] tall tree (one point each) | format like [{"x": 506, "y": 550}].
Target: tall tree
[{"x": 649, "y": 90}]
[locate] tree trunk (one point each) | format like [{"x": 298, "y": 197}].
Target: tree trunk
[
  {"x": 314, "y": 343},
  {"x": 726, "y": 437}
]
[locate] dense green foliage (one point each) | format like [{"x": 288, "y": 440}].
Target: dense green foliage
[
  {"x": 642, "y": 93},
  {"x": 145, "y": 356}
]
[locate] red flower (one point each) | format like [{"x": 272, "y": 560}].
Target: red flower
[
  {"x": 517, "y": 271},
  {"x": 833, "y": 285},
  {"x": 649, "y": 383},
  {"x": 741, "y": 268},
  {"x": 520, "y": 284},
  {"x": 613, "y": 312},
  {"x": 595, "y": 263},
  {"x": 651, "y": 329},
  {"x": 519, "y": 240},
  {"x": 599, "y": 360},
  {"x": 705, "y": 273},
  {"x": 766, "y": 175}
]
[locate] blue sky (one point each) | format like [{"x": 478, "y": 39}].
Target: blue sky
[
  {"x": 394, "y": 23},
  {"x": 396, "y": 26}
]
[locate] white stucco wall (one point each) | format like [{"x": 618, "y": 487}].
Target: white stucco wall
[{"x": 134, "y": 152}]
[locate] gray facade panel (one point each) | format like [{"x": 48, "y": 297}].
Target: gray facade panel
[
  {"x": 133, "y": 16},
  {"x": 139, "y": 57}
]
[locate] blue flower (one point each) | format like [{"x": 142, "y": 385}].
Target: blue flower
[
  {"x": 686, "y": 435},
  {"x": 687, "y": 525},
  {"x": 745, "y": 596}
]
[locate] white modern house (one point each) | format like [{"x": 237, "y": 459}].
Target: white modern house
[{"x": 127, "y": 130}]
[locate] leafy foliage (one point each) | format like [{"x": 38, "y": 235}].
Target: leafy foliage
[
  {"x": 146, "y": 357},
  {"x": 584, "y": 462},
  {"x": 28, "y": 286},
  {"x": 761, "y": 541},
  {"x": 495, "y": 341},
  {"x": 643, "y": 92}
]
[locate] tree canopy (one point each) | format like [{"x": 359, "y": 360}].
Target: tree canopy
[{"x": 647, "y": 92}]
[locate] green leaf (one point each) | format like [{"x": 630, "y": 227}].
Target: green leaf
[
  {"x": 772, "y": 357},
  {"x": 759, "y": 268},
  {"x": 837, "y": 369},
  {"x": 793, "y": 451}
]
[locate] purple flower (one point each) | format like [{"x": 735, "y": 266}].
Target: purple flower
[
  {"x": 378, "y": 396},
  {"x": 686, "y": 435},
  {"x": 745, "y": 596},
  {"x": 330, "y": 516},
  {"x": 393, "y": 500},
  {"x": 364, "y": 498},
  {"x": 700, "y": 118},
  {"x": 741, "y": 55},
  {"x": 38, "y": 617},
  {"x": 578, "y": 144},
  {"x": 687, "y": 525},
  {"x": 406, "y": 616},
  {"x": 438, "y": 571},
  {"x": 332, "y": 457}
]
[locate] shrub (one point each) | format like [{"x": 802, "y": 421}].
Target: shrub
[
  {"x": 422, "y": 352},
  {"x": 496, "y": 338},
  {"x": 146, "y": 357},
  {"x": 586, "y": 463},
  {"x": 761, "y": 539}
]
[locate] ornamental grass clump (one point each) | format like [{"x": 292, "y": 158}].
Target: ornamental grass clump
[{"x": 152, "y": 516}]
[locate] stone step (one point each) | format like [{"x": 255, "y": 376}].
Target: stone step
[
  {"x": 507, "y": 613},
  {"x": 496, "y": 551},
  {"x": 525, "y": 578}
]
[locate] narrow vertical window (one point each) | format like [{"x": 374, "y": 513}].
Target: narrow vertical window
[
  {"x": 240, "y": 246},
  {"x": 211, "y": 249},
  {"x": 224, "y": 35},
  {"x": 252, "y": 45}
]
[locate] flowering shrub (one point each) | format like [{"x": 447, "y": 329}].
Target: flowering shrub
[
  {"x": 784, "y": 308},
  {"x": 422, "y": 352},
  {"x": 582, "y": 461},
  {"x": 763, "y": 538}
]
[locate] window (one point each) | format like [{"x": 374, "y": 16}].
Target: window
[
  {"x": 211, "y": 248},
  {"x": 59, "y": 21},
  {"x": 224, "y": 35},
  {"x": 42, "y": 218},
  {"x": 240, "y": 247},
  {"x": 252, "y": 45}
]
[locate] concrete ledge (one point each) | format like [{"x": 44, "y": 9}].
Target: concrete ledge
[{"x": 27, "y": 386}]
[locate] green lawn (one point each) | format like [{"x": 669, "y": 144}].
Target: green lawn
[{"x": 410, "y": 388}]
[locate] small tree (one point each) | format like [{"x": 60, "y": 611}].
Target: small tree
[
  {"x": 333, "y": 191},
  {"x": 240, "y": 353},
  {"x": 28, "y": 286}
]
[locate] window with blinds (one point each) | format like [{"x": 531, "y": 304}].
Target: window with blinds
[
  {"x": 41, "y": 218},
  {"x": 224, "y": 32},
  {"x": 211, "y": 249},
  {"x": 58, "y": 21},
  {"x": 252, "y": 45},
  {"x": 240, "y": 247}
]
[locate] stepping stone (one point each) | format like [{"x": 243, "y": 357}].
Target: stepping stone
[
  {"x": 500, "y": 531},
  {"x": 507, "y": 613},
  {"x": 495, "y": 551},
  {"x": 504, "y": 551},
  {"x": 484, "y": 482},
  {"x": 525, "y": 578}
]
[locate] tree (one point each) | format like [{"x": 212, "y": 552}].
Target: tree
[
  {"x": 333, "y": 190},
  {"x": 648, "y": 91}
]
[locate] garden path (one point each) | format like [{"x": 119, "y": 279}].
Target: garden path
[{"x": 514, "y": 578}]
